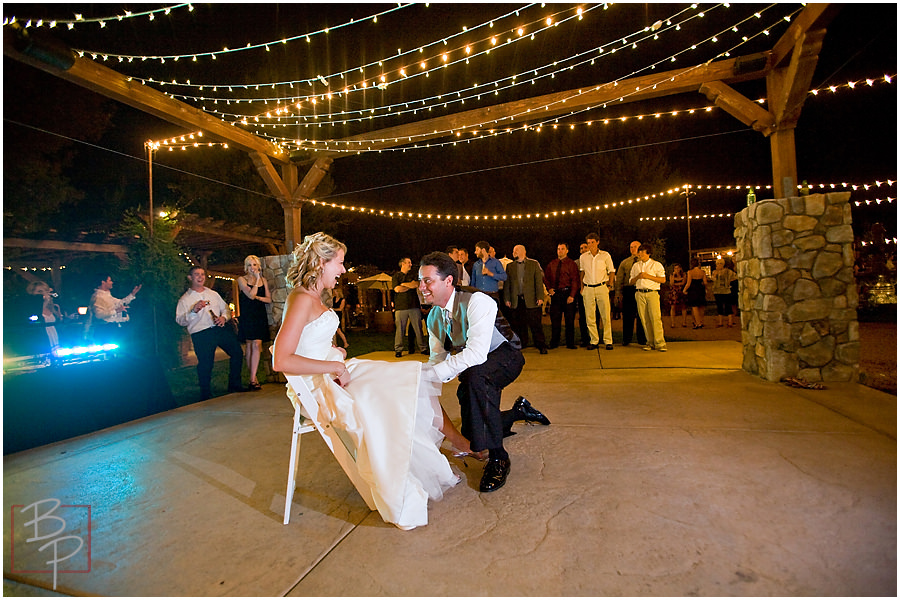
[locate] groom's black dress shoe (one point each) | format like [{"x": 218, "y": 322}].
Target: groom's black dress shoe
[
  {"x": 495, "y": 472},
  {"x": 524, "y": 411}
]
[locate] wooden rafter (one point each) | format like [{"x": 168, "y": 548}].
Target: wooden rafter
[
  {"x": 746, "y": 111},
  {"x": 117, "y": 249},
  {"x": 93, "y": 76},
  {"x": 645, "y": 87}
]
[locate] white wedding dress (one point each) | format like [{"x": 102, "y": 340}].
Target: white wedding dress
[{"x": 392, "y": 418}]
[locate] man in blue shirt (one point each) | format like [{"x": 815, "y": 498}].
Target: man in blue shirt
[{"x": 487, "y": 271}]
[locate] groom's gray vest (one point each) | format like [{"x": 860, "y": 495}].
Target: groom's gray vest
[{"x": 435, "y": 318}]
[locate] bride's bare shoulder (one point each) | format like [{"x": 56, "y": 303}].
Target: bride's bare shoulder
[{"x": 303, "y": 305}]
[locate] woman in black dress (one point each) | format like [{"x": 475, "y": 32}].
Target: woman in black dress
[
  {"x": 695, "y": 288},
  {"x": 253, "y": 323}
]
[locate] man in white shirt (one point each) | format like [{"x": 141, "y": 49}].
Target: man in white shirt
[
  {"x": 597, "y": 278},
  {"x": 205, "y": 314},
  {"x": 646, "y": 277},
  {"x": 107, "y": 312},
  {"x": 462, "y": 259},
  {"x": 469, "y": 341}
]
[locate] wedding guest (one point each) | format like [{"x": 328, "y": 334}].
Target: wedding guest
[
  {"x": 49, "y": 310},
  {"x": 675, "y": 296},
  {"x": 205, "y": 315},
  {"x": 253, "y": 323},
  {"x": 722, "y": 278},
  {"x": 695, "y": 289},
  {"x": 107, "y": 313}
]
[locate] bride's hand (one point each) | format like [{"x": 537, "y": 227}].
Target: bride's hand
[
  {"x": 342, "y": 375},
  {"x": 343, "y": 380}
]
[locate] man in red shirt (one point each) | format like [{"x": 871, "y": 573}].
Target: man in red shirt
[{"x": 563, "y": 283}]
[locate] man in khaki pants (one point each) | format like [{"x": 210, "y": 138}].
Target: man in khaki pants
[
  {"x": 646, "y": 277},
  {"x": 597, "y": 278}
]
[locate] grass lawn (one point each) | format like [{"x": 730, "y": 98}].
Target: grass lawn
[{"x": 186, "y": 390}]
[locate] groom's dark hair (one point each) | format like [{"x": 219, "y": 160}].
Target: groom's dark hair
[{"x": 441, "y": 261}]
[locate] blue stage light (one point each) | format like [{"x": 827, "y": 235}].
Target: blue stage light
[{"x": 82, "y": 350}]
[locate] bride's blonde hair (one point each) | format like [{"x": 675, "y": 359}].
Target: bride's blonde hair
[{"x": 308, "y": 258}]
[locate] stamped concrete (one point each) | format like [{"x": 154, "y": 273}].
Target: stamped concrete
[{"x": 662, "y": 474}]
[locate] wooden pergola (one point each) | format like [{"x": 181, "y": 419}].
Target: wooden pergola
[{"x": 787, "y": 68}]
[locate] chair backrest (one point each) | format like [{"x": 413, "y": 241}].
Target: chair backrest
[{"x": 337, "y": 440}]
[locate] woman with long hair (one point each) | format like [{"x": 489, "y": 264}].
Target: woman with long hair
[
  {"x": 391, "y": 413},
  {"x": 50, "y": 312},
  {"x": 695, "y": 288},
  {"x": 253, "y": 322}
]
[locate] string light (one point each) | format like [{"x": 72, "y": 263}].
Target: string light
[
  {"x": 348, "y": 88},
  {"x": 339, "y": 75},
  {"x": 295, "y": 100},
  {"x": 876, "y": 201},
  {"x": 355, "y": 147},
  {"x": 79, "y": 19},
  {"x": 582, "y": 212},
  {"x": 586, "y": 57},
  {"x": 213, "y": 54},
  {"x": 34, "y": 269},
  {"x": 692, "y": 217},
  {"x": 360, "y": 143}
]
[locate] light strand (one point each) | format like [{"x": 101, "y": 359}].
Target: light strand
[
  {"x": 79, "y": 19},
  {"x": 312, "y": 80},
  {"x": 379, "y": 81},
  {"x": 587, "y": 56},
  {"x": 596, "y": 209},
  {"x": 215, "y": 53},
  {"x": 559, "y": 102},
  {"x": 554, "y": 124}
]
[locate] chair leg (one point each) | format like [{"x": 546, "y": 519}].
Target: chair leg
[{"x": 292, "y": 467}]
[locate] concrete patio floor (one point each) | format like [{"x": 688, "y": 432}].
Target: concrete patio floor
[{"x": 662, "y": 474}]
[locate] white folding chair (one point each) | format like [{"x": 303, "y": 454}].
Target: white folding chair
[{"x": 336, "y": 439}]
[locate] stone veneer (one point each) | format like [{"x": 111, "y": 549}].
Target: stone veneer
[
  {"x": 798, "y": 295},
  {"x": 274, "y": 269}
]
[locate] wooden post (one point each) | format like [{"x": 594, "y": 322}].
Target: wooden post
[
  {"x": 291, "y": 225},
  {"x": 784, "y": 163}
]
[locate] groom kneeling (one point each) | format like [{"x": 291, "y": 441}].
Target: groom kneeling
[{"x": 469, "y": 339}]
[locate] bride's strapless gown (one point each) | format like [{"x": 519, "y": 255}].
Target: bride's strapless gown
[{"x": 392, "y": 417}]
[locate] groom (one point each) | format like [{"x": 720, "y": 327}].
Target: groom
[{"x": 470, "y": 340}]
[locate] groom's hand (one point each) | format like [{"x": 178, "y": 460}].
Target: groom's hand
[{"x": 428, "y": 374}]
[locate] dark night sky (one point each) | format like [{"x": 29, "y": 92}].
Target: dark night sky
[{"x": 846, "y": 136}]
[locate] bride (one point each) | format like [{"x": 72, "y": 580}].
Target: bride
[{"x": 391, "y": 413}]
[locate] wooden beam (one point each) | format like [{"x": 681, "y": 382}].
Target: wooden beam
[
  {"x": 814, "y": 16},
  {"x": 788, "y": 87},
  {"x": 109, "y": 83},
  {"x": 66, "y": 246},
  {"x": 291, "y": 225},
  {"x": 312, "y": 179},
  {"x": 217, "y": 230},
  {"x": 784, "y": 163},
  {"x": 745, "y": 110},
  {"x": 645, "y": 87},
  {"x": 270, "y": 176}
]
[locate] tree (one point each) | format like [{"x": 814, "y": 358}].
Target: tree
[{"x": 157, "y": 262}]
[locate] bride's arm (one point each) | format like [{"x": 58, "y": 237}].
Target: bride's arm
[{"x": 299, "y": 310}]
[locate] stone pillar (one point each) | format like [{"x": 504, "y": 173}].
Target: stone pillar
[
  {"x": 798, "y": 294},
  {"x": 274, "y": 269}
]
